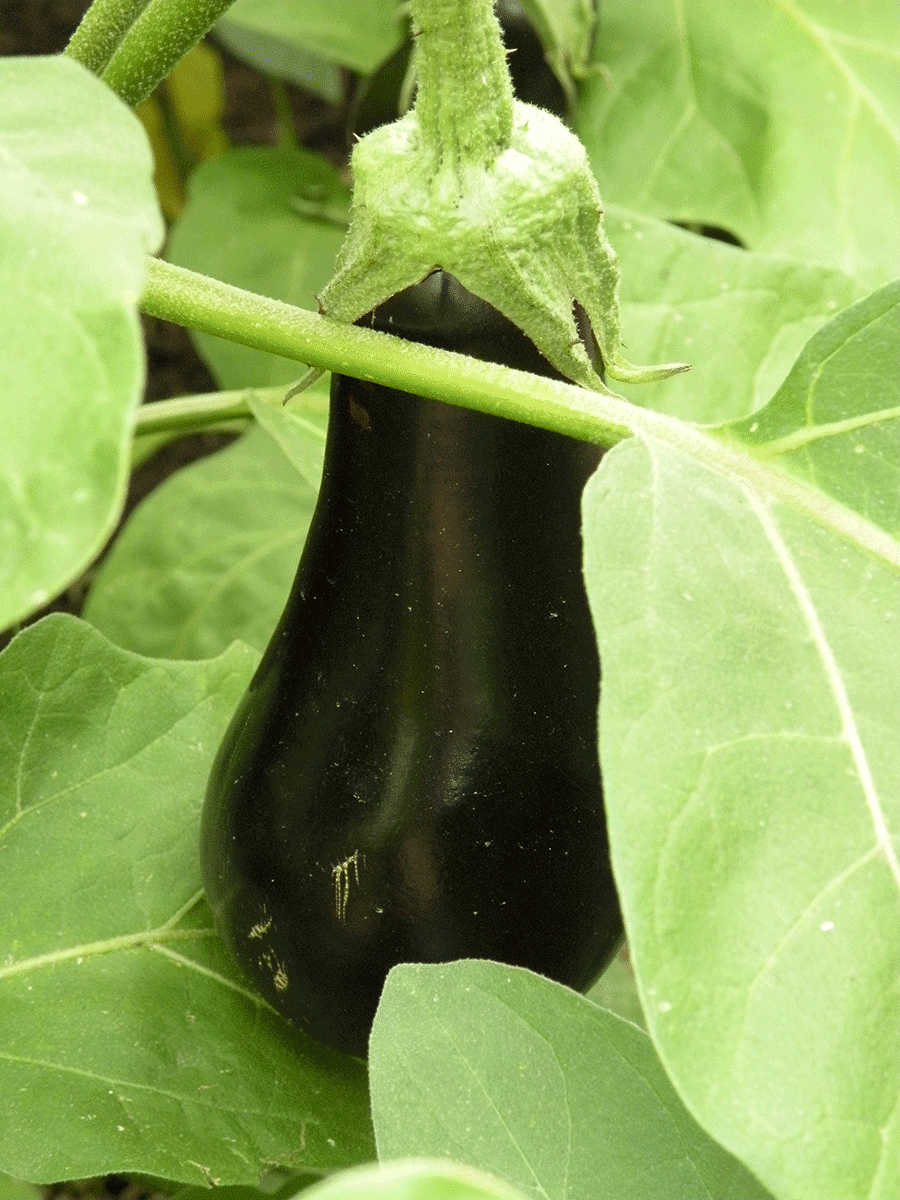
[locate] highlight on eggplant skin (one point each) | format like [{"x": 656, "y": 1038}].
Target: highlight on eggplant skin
[{"x": 412, "y": 775}]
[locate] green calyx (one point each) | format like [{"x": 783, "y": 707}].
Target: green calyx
[{"x": 494, "y": 191}]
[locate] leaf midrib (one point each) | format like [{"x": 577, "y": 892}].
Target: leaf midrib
[
  {"x": 121, "y": 942},
  {"x": 834, "y": 676}
]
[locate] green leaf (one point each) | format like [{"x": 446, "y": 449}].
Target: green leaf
[
  {"x": 780, "y": 123},
  {"x": 502, "y": 1069},
  {"x": 127, "y": 1040},
  {"x": 301, "y": 435},
  {"x": 836, "y": 419},
  {"x": 750, "y": 762},
  {"x": 354, "y": 33},
  {"x": 243, "y": 224},
  {"x": 75, "y": 229},
  {"x": 282, "y": 58},
  {"x": 413, "y": 1179},
  {"x": 740, "y": 319},
  {"x": 566, "y": 29},
  {"x": 209, "y": 556}
]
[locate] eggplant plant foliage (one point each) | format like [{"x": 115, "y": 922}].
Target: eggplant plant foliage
[{"x": 742, "y": 562}]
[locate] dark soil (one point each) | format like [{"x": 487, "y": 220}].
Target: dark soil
[{"x": 106, "y": 1187}]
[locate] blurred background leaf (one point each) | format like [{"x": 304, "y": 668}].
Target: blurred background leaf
[
  {"x": 307, "y": 43},
  {"x": 183, "y": 119},
  {"x": 248, "y": 221},
  {"x": 777, "y": 122}
]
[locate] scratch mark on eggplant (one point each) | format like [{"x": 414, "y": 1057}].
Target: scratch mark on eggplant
[{"x": 340, "y": 875}]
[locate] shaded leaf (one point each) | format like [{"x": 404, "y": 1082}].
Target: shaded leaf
[{"x": 616, "y": 990}]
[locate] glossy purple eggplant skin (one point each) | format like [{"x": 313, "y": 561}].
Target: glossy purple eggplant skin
[{"x": 412, "y": 775}]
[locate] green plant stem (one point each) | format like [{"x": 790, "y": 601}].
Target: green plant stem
[
  {"x": 162, "y": 34},
  {"x": 287, "y": 134},
  {"x": 187, "y": 414},
  {"x": 209, "y": 306},
  {"x": 102, "y": 29},
  {"x": 464, "y": 101}
]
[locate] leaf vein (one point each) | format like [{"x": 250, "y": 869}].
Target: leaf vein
[
  {"x": 833, "y": 884},
  {"x": 849, "y": 730},
  {"x": 112, "y": 945}
]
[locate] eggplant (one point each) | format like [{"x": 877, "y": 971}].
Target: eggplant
[{"x": 412, "y": 775}]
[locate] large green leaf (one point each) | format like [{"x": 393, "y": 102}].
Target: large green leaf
[
  {"x": 751, "y": 766},
  {"x": 208, "y": 557},
  {"x": 128, "y": 1042},
  {"x": 502, "y": 1069},
  {"x": 778, "y": 121},
  {"x": 77, "y": 217},
  {"x": 248, "y": 222}
]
